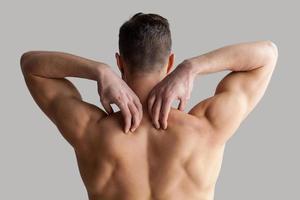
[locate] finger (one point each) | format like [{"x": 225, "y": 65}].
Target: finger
[
  {"x": 139, "y": 106},
  {"x": 164, "y": 112},
  {"x": 135, "y": 116},
  {"x": 126, "y": 115},
  {"x": 155, "y": 112},
  {"x": 107, "y": 107},
  {"x": 182, "y": 104},
  {"x": 137, "y": 103},
  {"x": 151, "y": 101}
]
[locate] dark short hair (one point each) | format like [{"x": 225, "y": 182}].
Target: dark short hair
[{"x": 145, "y": 42}]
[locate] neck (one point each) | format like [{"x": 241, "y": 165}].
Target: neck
[{"x": 142, "y": 84}]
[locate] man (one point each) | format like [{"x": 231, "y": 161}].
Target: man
[{"x": 167, "y": 154}]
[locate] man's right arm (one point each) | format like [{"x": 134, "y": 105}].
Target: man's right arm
[{"x": 251, "y": 66}]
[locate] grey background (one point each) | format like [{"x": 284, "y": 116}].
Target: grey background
[{"x": 261, "y": 161}]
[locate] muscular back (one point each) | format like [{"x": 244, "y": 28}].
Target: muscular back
[
  {"x": 178, "y": 163},
  {"x": 181, "y": 162}
]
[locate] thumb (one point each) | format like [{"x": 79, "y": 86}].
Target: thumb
[
  {"x": 107, "y": 107},
  {"x": 182, "y": 104}
]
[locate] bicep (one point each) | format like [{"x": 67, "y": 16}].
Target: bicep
[{"x": 61, "y": 102}]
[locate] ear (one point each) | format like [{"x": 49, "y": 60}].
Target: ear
[
  {"x": 119, "y": 62},
  {"x": 170, "y": 63}
]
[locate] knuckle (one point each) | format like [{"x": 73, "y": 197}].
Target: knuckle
[
  {"x": 130, "y": 98},
  {"x": 133, "y": 107},
  {"x": 135, "y": 123},
  {"x": 136, "y": 101},
  {"x": 168, "y": 93},
  {"x": 135, "y": 114},
  {"x": 140, "y": 107},
  {"x": 156, "y": 109},
  {"x": 149, "y": 104},
  {"x": 122, "y": 107},
  {"x": 123, "y": 94},
  {"x": 169, "y": 97},
  {"x": 168, "y": 101},
  {"x": 118, "y": 98},
  {"x": 163, "y": 115},
  {"x": 126, "y": 113},
  {"x": 128, "y": 120},
  {"x": 161, "y": 119},
  {"x": 155, "y": 116}
]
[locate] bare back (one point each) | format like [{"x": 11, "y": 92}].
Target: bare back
[
  {"x": 177, "y": 163},
  {"x": 181, "y": 162}
]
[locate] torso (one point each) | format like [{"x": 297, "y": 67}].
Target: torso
[{"x": 178, "y": 163}]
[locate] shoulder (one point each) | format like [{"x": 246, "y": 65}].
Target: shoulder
[
  {"x": 112, "y": 122},
  {"x": 188, "y": 122},
  {"x": 223, "y": 113}
]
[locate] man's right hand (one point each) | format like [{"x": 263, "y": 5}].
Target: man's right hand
[
  {"x": 177, "y": 85},
  {"x": 113, "y": 90}
]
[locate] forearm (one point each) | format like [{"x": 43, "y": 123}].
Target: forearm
[
  {"x": 238, "y": 57},
  {"x": 59, "y": 65}
]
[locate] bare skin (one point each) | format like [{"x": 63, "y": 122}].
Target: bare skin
[{"x": 180, "y": 158}]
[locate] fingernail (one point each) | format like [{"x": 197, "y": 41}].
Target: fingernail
[{"x": 157, "y": 126}]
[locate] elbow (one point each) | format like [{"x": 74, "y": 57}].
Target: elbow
[
  {"x": 25, "y": 59},
  {"x": 272, "y": 52}
]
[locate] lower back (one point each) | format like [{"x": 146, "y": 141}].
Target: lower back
[{"x": 176, "y": 163}]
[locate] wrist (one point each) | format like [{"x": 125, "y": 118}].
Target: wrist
[
  {"x": 197, "y": 64},
  {"x": 102, "y": 70},
  {"x": 185, "y": 69},
  {"x": 104, "y": 74},
  {"x": 189, "y": 66}
]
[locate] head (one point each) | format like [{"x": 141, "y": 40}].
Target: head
[{"x": 145, "y": 46}]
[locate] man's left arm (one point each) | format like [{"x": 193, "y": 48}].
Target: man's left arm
[{"x": 58, "y": 98}]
